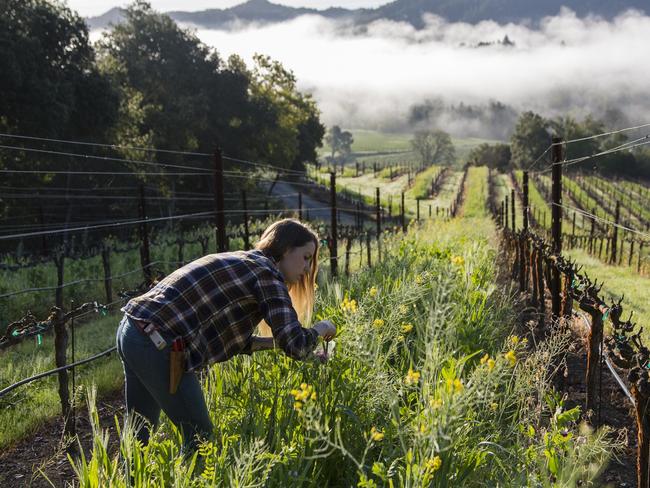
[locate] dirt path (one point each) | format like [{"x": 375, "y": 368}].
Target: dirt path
[{"x": 22, "y": 463}]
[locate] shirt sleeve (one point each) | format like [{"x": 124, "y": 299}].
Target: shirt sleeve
[{"x": 278, "y": 312}]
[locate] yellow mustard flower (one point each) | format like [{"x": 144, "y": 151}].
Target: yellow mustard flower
[
  {"x": 458, "y": 386},
  {"x": 376, "y": 435},
  {"x": 433, "y": 464},
  {"x": 378, "y": 323},
  {"x": 348, "y": 305},
  {"x": 303, "y": 395},
  {"x": 373, "y": 292},
  {"x": 412, "y": 377},
  {"x": 406, "y": 328},
  {"x": 485, "y": 358},
  {"x": 494, "y": 406},
  {"x": 491, "y": 363},
  {"x": 511, "y": 357},
  {"x": 458, "y": 260}
]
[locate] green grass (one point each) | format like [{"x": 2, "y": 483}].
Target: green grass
[
  {"x": 391, "y": 147},
  {"x": 619, "y": 281},
  {"x": 432, "y": 308},
  {"x": 25, "y": 409},
  {"x": 476, "y": 193}
]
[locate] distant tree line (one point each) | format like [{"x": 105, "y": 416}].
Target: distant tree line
[
  {"x": 146, "y": 83},
  {"x": 532, "y": 136}
]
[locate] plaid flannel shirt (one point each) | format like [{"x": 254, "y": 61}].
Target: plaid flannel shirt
[{"x": 215, "y": 303}]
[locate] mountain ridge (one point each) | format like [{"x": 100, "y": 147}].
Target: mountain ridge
[{"x": 410, "y": 11}]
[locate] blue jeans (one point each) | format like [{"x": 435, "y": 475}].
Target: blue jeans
[{"x": 146, "y": 371}]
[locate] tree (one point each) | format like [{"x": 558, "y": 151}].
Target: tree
[
  {"x": 49, "y": 84},
  {"x": 529, "y": 140},
  {"x": 340, "y": 142},
  {"x": 495, "y": 156},
  {"x": 434, "y": 147}
]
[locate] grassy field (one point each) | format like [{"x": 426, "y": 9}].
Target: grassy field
[
  {"x": 39, "y": 401},
  {"x": 619, "y": 281},
  {"x": 370, "y": 145},
  {"x": 427, "y": 387}
]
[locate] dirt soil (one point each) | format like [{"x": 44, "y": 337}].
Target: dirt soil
[{"x": 23, "y": 463}]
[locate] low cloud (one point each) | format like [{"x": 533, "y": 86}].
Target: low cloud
[{"x": 380, "y": 75}]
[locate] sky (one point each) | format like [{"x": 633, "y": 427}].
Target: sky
[{"x": 88, "y": 8}]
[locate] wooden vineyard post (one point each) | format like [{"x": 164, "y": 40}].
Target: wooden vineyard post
[
  {"x": 247, "y": 239},
  {"x": 533, "y": 272},
  {"x": 145, "y": 260},
  {"x": 526, "y": 208},
  {"x": 556, "y": 223},
  {"x": 300, "y": 204},
  {"x": 505, "y": 224},
  {"x": 348, "y": 249},
  {"x": 612, "y": 258},
  {"x": 402, "y": 214},
  {"x": 512, "y": 204},
  {"x": 60, "y": 347},
  {"x": 59, "y": 261},
  {"x": 638, "y": 266},
  {"x": 378, "y": 209},
  {"x": 334, "y": 241},
  {"x": 539, "y": 265},
  {"x": 642, "y": 411},
  {"x": 368, "y": 241},
  {"x": 591, "y": 232},
  {"x": 108, "y": 280},
  {"x": 219, "y": 205}
]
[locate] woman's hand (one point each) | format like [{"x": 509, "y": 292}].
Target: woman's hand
[{"x": 326, "y": 329}]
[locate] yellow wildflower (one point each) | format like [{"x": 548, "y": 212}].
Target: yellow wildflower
[
  {"x": 418, "y": 279},
  {"x": 406, "y": 328},
  {"x": 514, "y": 339},
  {"x": 491, "y": 362},
  {"x": 485, "y": 359},
  {"x": 433, "y": 464},
  {"x": 511, "y": 357},
  {"x": 303, "y": 395},
  {"x": 458, "y": 260},
  {"x": 378, "y": 323},
  {"x": 348, "y": 305},
  {"x": 494, "y": 406},
  {"x": 412, "y": 377},
  {"x": 458, "y": 386},
  {"x": 376, "y": 435},
  {"x": 373, "y": 292}
]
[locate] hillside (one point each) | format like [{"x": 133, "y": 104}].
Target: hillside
[{"x": 411, "y": 11}]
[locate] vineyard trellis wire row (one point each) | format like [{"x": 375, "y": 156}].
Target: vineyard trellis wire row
[
  {"x": 57, "y": 320},
  {"x": 600, "y": 235},
  {"x": 539, "y": 266},
  {"x": 142, "y": 149}
]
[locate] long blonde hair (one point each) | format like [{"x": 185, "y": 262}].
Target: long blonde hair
[{"x": 282, "y": 236}]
